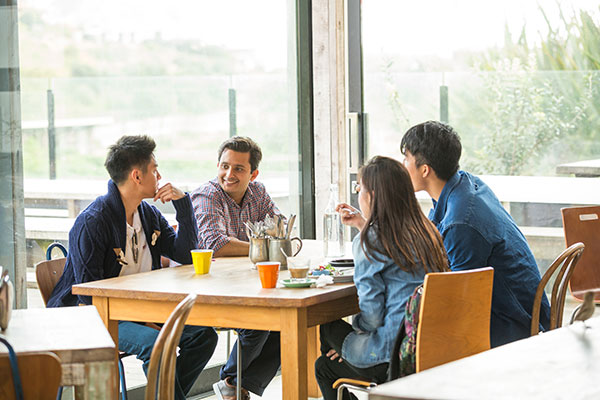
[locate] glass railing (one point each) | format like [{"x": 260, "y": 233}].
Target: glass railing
[
  {"x": 187, "y": 116},
  {"x": 510, "y": 123}
]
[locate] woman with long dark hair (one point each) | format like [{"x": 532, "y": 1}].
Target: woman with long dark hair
[{"x": 396, "y": 247}]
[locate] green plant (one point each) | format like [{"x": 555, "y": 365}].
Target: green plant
[{"x": 527, "y": 114}]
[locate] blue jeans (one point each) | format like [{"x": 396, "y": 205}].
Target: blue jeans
[
  {"x": 260, "y": 359},
  {"x": 196, "y": 346}
]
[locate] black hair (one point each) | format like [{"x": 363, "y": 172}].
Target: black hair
[
  {"x": 435, "y": 144},
  {"x": 129, "y": 152},
  {"x": 243, "y": 144}
]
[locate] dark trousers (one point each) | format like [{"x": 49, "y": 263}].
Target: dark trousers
[
  {"x": 328, "y": 371},
  {"x": 260, "y": 359},
  {"x": 196, "y": 346}
]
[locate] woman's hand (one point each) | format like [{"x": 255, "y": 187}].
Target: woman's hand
[
  {"x": 350, "y": 216},
  {"x": 333, "y": 355}
]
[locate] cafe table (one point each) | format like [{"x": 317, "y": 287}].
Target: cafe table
[
  {"x": 231, "y": 296},
  {"x": 78, "y": 338},
  {"x": 560, "y": 364}
]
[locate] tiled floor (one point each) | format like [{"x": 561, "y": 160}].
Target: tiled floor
[{"x": 135, "y": 376}]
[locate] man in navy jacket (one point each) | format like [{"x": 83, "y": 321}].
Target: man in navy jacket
[
  {"x": 120, "y": 234},
  {"x": 477, "y": 230}
]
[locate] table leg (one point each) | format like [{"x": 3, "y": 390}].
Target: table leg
[
  {"x": 294, "y": 337},
  {"x": 314, "y": 351},
  {"x": 102, "y": 306},
  {"x": 97, "y": 382}
]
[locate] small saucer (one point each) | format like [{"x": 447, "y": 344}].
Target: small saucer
[{"x": 304, "y": 283}]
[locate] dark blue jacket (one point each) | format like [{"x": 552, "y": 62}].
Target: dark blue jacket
[
  {"x": 100, "y": 229},
  {"x": 478, "y": 232}
]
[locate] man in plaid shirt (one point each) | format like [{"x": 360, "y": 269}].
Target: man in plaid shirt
[
  {"x": 221, "y": 207},
  {"x": 223, "y": 204}
]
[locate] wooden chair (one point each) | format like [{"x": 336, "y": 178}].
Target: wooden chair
[
  {"x": 161, "y": 371},
  {"x": 562, "y": 269},
  {"x": 582, "y": 224},
  {"x": 47, "y": 275},
  {"x": 454, "y": 321},
  {"x": 40, "y": 376}
]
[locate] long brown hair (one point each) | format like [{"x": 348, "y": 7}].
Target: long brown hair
[{"x": 402, "y": 232}]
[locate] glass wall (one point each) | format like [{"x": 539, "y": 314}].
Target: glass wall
[
  {"x": 189, "y": 75},
  {"x": 518, "y": 81}
]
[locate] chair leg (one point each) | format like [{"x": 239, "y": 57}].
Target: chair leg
[
  {"x": 122, "y": 379},
  {"x": 574, "y": 313},
  {"x": 228, "y": 344},
  {"x": 238, "y": 386}
]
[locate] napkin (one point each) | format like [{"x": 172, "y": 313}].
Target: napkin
[{"x": 324, "y": 280}]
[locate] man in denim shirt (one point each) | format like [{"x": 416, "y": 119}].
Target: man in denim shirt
[{"x": 477, "y": 230}]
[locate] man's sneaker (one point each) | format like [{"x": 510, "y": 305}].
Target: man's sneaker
[{"x": 226, "y": 391}]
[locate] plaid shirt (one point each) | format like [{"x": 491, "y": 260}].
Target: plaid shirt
[{"x": 220, "y": 217}]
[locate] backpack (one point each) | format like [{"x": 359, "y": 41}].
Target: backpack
[{"x": 405, "y": 345}]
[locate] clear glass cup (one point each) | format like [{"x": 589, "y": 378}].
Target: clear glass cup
[{"x": 298, "y": 267}]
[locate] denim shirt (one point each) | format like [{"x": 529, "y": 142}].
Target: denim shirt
[
  {"x": 383, "y": 289},
  {"x": 478, "y": 232}
]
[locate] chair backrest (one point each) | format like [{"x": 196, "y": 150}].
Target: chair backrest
[
  {"x": 161, "y": 371},
  {"x": 47, "y": 274},
  {"x": 562, "y": 269},
  {"x": 40, "y": 376},
  {"x": 454, "y": 320},
  {"x": 582, "y": 224}
]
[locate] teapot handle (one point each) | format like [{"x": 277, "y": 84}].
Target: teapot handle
[{"x": 299, "y": 245}]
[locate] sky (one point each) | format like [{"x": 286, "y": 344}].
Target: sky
[
  {"x": 403, "y": 27},
  {"x": 260, "y": 25},
  {"x": 443, "y": 26}
]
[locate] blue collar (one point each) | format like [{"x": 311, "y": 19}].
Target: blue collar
[{"x": 439, "y": 206}]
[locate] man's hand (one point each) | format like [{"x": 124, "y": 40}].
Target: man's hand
[
  {"x": 168, "y": 193},
  {"x": 332, "y": 354}
]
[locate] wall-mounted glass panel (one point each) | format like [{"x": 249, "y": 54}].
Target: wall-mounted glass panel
[
  {"x": 519, "y": 81},
  {"x": 189, "y": 74}
]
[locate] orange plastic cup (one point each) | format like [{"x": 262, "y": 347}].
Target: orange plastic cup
[{"x": 268, "y": 272}]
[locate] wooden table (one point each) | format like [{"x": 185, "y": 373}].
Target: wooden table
[
  {"x": 231, "y": 296},
  {"x": 78, "y": 337},
  {"x": 587, "y": 168},
  {"x": 560, "y": 364}
]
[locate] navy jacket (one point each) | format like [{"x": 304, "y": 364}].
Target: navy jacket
[
  {"x": 478, "y": 232},
  {"x": 100, "y": 230}
]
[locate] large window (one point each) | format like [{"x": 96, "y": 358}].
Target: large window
[
  {"x": 519, "y": 81},
  {"x": 190, "y": 75}
]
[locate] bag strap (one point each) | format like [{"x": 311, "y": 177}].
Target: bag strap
[{"x": 14, "y": 366}]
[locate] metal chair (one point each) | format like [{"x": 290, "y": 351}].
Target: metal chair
[
  {"x": 454, "y": 322},
  {"x": 561, "y": 269}
]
